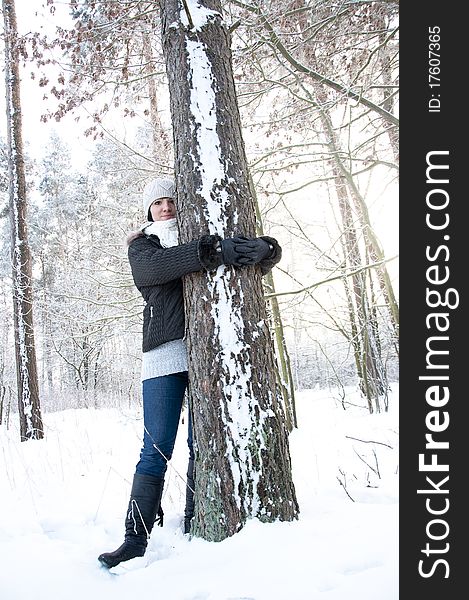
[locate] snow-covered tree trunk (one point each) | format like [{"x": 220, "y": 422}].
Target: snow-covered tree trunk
[
  {"x": 28, "y": 390},
  {"x": 243, "y": 467}
]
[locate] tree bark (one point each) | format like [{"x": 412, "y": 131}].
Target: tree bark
[
  {"x": 243, "y": 467},
  {"x": 27, "y": 381}
]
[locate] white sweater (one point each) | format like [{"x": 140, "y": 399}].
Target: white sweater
[{"x": 168, "y": 358}]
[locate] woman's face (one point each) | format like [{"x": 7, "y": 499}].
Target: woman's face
[{"x": 163, "y": 209}]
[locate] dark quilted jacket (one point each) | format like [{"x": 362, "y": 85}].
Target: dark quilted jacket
[{"x": 157, "y": 274}]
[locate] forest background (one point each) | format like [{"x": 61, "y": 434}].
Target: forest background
[{"x": 317, "y": 86}]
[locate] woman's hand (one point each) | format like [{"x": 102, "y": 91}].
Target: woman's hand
[
  {"x": 235, "y": 251},
  {"x": 254, "y": 250},
  {"x": 240, "y": 251}
]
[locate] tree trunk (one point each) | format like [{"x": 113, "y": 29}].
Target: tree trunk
[
  {"x": 161, "y": 143},
  {"x": 388, "y": 89},
  {"x": 284, "y": 373},
  {"x": 285, "y": 377},
  {"x": 243, "y": 467},
  {"x": 372, "y": 374},
  {"x": 27, "y": 381},
  {"x": 372, "y": 377}
]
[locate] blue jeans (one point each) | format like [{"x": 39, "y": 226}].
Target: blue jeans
[{"x": 162, "y": 403}]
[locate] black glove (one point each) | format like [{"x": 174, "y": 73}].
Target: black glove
[
  {"x": 255, "y": 250},
  {"x": 234, "y": 252}
]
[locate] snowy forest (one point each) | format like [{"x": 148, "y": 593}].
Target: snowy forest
[
  {"x": 316, "y": 86},
  {"x": 317, "y": 108}
]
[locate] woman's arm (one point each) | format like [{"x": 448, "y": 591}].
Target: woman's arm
[{"x": 153, "y": 265}]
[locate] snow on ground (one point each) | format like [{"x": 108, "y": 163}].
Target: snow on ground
[{"x": 63, "y": 501}]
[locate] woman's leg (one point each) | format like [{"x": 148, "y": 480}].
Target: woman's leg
[{"x": 162, "y": 402}]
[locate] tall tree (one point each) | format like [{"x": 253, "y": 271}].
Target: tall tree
[
  {"x": 242, "y": 456},
  {"x": 27, "y": 381}
]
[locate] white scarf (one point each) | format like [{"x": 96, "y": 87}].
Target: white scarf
[{"x": 167, "y": 232}]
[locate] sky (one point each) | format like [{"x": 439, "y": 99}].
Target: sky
[
  {"x": 35, "y": 132},
  {"x": 64, "y": 500}
]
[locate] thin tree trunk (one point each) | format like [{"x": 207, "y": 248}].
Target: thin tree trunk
[
  {"x": 161, "y": 143},
  {"x": 342, "y": 174},
  {"x": 284, "y": 373},
  {"x": 2, "y": 397},
  {"x": 388, "y": 91},
  {"x": 243, "y": 467},
  {"x": 364, "y": 333},
  {"x": 27, "y": 381},
  {"x": 47, "y": 360},
  {"x": 373, "y": 377},
  {"x": 373, "y": 245}
]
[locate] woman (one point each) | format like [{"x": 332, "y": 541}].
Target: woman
[{"x": 158, "y": 264}]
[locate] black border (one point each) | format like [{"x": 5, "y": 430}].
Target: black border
[{"x": 422, "y": 132}]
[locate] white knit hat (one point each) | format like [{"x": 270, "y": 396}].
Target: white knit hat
[{"x": 161, "y": 187}]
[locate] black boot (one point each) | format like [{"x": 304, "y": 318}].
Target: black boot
[
  {"x": 144, "y": 505},
  {"x": 190, "y": 486}
]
